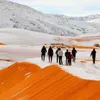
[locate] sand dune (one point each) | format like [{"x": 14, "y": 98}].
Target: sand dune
[
  {"x": 84, "y": 47},
  {"x": 50, "y": 83},
  {"x": 17, "y": 72},
  {"x": 2, "y": 43}
]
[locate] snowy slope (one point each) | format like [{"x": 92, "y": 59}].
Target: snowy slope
[
  {"x": 24, "y": 37},
  {"x": 95, "y": 21},
  {"x": 20, "y": 16},
  {"x": 86, "y": 18},
  {"x": 13, "y": 36}
]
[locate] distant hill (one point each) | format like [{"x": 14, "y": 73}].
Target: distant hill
[{"x": 15, "y": 15}]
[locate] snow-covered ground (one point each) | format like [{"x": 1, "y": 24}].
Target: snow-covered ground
[
  {"x": 83, "y": 70},
  {"x": 25, "y": 45},
  {"x": 12, "y": 36},
  {"x": 32, "y": 54}
]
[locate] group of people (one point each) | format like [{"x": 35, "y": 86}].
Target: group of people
[
  {"x": 68, "y": 55},
  {"x": 59, "y": 54}
]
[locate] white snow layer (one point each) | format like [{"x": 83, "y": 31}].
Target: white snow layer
[
  {"x": 13, "y": 15},
  {"x": 28, "y": 51}
]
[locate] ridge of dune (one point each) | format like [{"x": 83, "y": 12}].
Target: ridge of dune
[
  {"x": 15, "y": 73},
  {"x": 52, "y": 83},
  {"x": 84, "y": 47},
  {"x": 2, "y": 43}
]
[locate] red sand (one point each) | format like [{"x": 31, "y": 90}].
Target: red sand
[
  {"x": 14, "y": 74},
  {"x": 50, "y": 83}
]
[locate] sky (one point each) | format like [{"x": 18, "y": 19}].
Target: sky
[{"x": 66, "y": 7}]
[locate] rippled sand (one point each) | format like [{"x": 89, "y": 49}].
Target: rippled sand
[{"x": 26, "y": 81}]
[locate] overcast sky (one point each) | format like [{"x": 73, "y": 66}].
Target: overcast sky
[{"x": 67, "y": 7}]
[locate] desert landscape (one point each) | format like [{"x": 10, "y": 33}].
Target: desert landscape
[{"x": 23, "y": 33}]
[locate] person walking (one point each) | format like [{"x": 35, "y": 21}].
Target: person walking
[
  {"x": 74, "y": 54},
  {"x": 57, "y": 57},
  {"x": 69, "y": 58},
  {"x": 43, "y": 53},
  {"x": 93, "y": 54},
  {"x": 50, "y": 54},
  {"x": 60, "y": 54},
  {"x": 66, "y": 55}
]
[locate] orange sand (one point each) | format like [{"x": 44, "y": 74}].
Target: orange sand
[
  {"x": 83, "y": 47},
  {"x": 50, "y": 83},
  {"x": 2, "y": 43},
  {"x": 86, "y": 39},
  {"x": 14, "y": 74}
]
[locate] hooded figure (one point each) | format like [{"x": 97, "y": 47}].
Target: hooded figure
[
  {"x": 66, "y": 55},
  {"x": 69, "y": 58},
  {"x": 57, "y": 57},
  {"x": 60, "y": 54},
  {"x": 74, "y": 54},
  {"x": 93, "y": 54},
  {"x": 43, "y": 53},
  {"x": 50, "y": 54}
]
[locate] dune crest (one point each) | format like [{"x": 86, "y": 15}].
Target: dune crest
[
  {"x": 2, "y": 43},
  {"x": 15, "y": 73},
  {"x": 27, "y": 81}
]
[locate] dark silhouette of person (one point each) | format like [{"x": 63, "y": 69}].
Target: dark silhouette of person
[
  {"x": 93, "y": 54},
  {"x": 66, "y": 55},
  {"x": 50, "y": 54},
  {"x": 74, "y": 54},
  {"x": 43, "y": 53},
  {"x": 69, "y": 58},
  {"x": 57, "y": 57},
  {"x": 60, "y": 54}
]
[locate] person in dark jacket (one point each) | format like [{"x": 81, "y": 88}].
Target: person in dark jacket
[
  {"x": 50, "y": 54},
  {"x": 57, "y": 57},
  {"x": 74, "y": 54},
  {"x": 43, "y": 53},
  {"x": 69, "y": 58},
  {"x": 93, "y": 54},
  {"x": 66, "y": 55}
]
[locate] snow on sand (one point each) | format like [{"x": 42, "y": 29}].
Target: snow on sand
[{"x": 23, "y": 47}]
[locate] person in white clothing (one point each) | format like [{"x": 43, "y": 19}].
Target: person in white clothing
[{"x": 60, "y": 54}]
